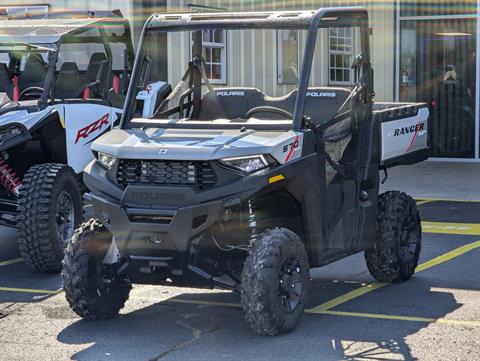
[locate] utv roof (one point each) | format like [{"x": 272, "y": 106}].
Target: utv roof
[
  {"x": 261, "y": 19},
  {"x": 46, "y": 30}
]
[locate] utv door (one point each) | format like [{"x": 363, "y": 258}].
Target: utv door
[
  {"x": 346, "y": 138},
  {"x": 341, "y": 146}
]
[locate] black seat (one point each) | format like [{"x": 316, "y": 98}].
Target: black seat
[
  {"x": 91, "y": 74},
  {"x": 6, "y": 85},
  {"x": 230, "y": 103},
  {"x": 233, "y": 103},
  {"x": 33, "y": 74},
  {"x": 69, "y": 85},
  {"x": 323, "y": 102}
]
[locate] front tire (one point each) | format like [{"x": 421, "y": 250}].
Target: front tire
[
  {"x": 94, "y": 291},
  {"x": 395, "y": 255},
  {"x": 274, "y": 282},
  {"x": 50, "y": 208}
]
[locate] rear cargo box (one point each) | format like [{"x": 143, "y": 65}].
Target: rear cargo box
[{"x": 404, "y": 133}]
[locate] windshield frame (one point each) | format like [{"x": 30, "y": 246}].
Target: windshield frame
[{"x": 311, "y": 20}]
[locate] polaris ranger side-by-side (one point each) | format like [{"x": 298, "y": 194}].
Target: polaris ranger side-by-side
[
  {"x": 207, "y": 185},
  {"x": 63, "y": 80}
]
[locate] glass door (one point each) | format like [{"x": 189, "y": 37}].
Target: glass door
[{"x": 438, "y": 66}]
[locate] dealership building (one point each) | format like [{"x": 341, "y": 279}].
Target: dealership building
[{"x": 422, "y": 50}]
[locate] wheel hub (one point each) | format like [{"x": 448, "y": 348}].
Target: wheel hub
[
  {"x": 290, "y": 285},
  {"x": 65, "y": 217}
]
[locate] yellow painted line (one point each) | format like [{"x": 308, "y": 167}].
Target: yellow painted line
[
  {"x": 448, "y": 256},
  {"x": 376, "y": 285},
  {"x": 419, "y": 203},
  {"x": 30, "y": 290},
  {"x": 11, "y": 261},
  {"x": 374, "y": 315},
  {"x": 347, "y": 297},
  {"x": 402, "y": 318},
  {"x": 345, "y": 314},
  {"x": 447, "y": 200},
  {"x": 469, "y": 229}
]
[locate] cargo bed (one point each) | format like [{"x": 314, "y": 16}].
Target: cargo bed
[{"x": 404, "y": 133}]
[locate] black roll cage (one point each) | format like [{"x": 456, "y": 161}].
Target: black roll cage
[
  {"x": 297, "y": 20},
  {"x": 70, "y": 38}
]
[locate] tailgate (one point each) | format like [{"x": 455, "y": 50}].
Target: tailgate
[{"x": 404, "y": 133}]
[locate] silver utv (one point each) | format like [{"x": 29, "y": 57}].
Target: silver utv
[
  {"x": 63, "y": 80},
  {"x": 242, "y": 183}
]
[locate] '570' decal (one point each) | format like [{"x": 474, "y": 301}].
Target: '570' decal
[
  {"x": 289, "y": 148},
  {"x": 84, "y": 133}
]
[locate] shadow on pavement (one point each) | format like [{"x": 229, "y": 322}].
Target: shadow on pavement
[
  {"x": 172, "y": 330},
  {"x": 23, "y": 277}
]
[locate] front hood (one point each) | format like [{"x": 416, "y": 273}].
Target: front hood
[
  {"x": 191, "y": 144},
  {"x": 14, "y": 116},
  {"x": 22, "y": 116}
]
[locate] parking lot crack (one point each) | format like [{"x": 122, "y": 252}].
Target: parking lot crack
[
  {"x": 196, "y": 335},
  {"x": 8, "y": 309}
]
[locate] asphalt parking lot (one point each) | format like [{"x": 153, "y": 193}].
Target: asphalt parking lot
[{"x": 434, "y": 316}]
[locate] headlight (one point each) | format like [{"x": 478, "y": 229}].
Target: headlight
[
  {"x": 249, "y": 164},
  {"x": 106, "y": 160},
  {"x": 9, "y": 132}
]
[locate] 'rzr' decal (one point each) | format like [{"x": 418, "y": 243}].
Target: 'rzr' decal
[{"x": 89, "y": 129}]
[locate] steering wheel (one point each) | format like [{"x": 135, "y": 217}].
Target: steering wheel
[
  {"x": 33, "y": 89},
  {"x": 267, "y": 109}
]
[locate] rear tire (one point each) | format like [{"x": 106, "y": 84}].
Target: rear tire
[
  {"x": 50, "y": 209},
  {"x": 274, "y": 282},
  {"x": 93, "y": 291},
  {"x": 399, "y": 237}
]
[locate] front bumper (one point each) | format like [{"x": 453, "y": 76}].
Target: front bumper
[
  {"x": 139, "y": 231},
  {"x": 153, "y": 226}
]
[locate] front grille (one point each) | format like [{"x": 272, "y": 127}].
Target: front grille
[{"x": 197, "y": 174}]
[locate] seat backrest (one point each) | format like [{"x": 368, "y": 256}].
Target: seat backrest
[
  {"x": 234, "y": 103},
  {"x": 6, "y": 85},
  {"x": 230, "y": 103},
  {"x": 34, "y": 73},
  {"x": 69, "y": 84},
  {"x": 323, "y": 102},
  {"x": 91, "y": 73}
]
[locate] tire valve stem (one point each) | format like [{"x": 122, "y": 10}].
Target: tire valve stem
[{"x": 8, "y": 177}]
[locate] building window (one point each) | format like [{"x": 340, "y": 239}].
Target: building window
[
  {"x": 287, "y": 55},
  {"x": 214, "y": 52},
  {"x": 214, "y": 44},
  {"x": 341, "y": 55}
]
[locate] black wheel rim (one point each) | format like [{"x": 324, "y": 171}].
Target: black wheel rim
[
  {"x": 65, "y": 217},
  {"x": 106, "y": 277},
  {"x": 290, "y": 284}
]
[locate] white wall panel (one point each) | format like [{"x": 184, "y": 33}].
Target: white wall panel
[{"x": 264, "y": 45}]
